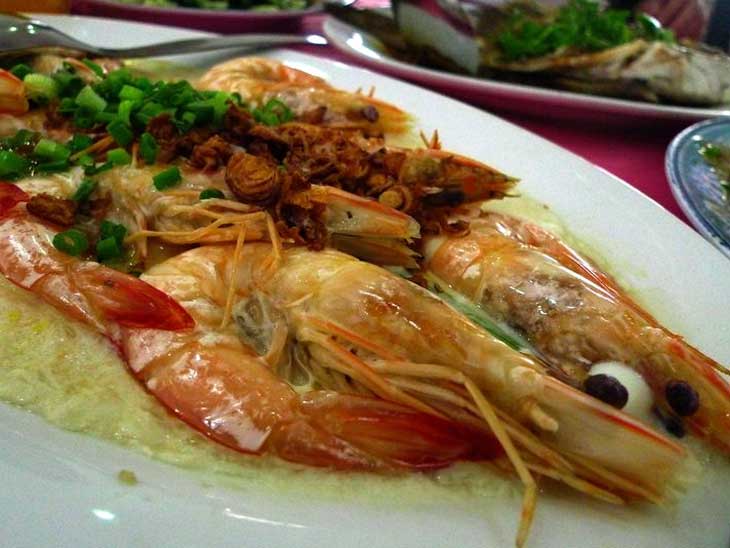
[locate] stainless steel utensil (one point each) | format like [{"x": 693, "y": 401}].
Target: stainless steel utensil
[{"x": 20, "y": 35}]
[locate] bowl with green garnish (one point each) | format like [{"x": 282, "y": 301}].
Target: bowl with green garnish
[
  {"x": 698, "y": 170},
  {"x": 225, "y": 16}
]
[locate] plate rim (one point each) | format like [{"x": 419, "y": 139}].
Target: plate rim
[{"x": 183, "y": 10}]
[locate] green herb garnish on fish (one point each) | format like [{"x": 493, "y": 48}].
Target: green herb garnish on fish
[{"x": 581, "y": 25}]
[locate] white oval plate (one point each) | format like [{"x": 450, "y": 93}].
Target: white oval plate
[
  {"x": 60, "y": 489},
  {"x": 523, "y": 98}
]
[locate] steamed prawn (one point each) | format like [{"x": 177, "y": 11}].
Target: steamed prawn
[
  {"x": 311, "y": 98},
  {"x": 354, "y": 326},
  {"x": 205, "y": 374},
  {"x": 575, "y": 316}
]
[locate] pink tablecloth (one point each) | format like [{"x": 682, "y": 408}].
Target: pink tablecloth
[{"x": 634, "y": 154}]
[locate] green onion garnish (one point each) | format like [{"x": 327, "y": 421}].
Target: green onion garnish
[
  {"x": 108, "y": 248},
  {"x": 84, "y": 191},
  {"x": 167, "y": 178},
  {"x": 114, "y": 230},
  {"x": 93, "y": 66},
  {"x": 90, "y": 100},
  {"x": 39, "y": 87},
  {"x": 111, "y": 240},
  {"x": 21, "y": 70},
  {"x": 118, "y": 157},
  {"x": 85, "y": 160},
  {"x": 12, "y": 164},
  {"x": 209, "y": 193},
  {"x": 121, "y": 132},
  {"x": 148, "y": 148},
  {"x": 23, "y": 138},
  {"x": 51, "y": 150},
  {"x": 131, "y": 93},
  {"x": 80, "y": 142},
  {"x": 273, "y": 113},
  {"x": 54, "y": 166},
  {"x": 72, "y": 242},
  {"x": 125, "y": 111}
]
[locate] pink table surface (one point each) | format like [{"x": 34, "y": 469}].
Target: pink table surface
[{"x": 635, "y": 154}]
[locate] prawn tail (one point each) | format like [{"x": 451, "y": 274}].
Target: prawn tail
[
  {"x": 128, "y": 301},
  {"x": 86, "y": 290},
  {"x": 395, "y": 434}
]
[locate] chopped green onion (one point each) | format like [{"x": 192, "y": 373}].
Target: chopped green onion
[
  {"x": 273, "y": 113},
  {"x": 83, "y": 118},
  {"x": 94, "y": 67},
  {"x": 105, "y": 117},
  {"x": 21, "y": 70},
  {"x": 51, "y": 150},
  {"x": 111, "y": 229},
  {"x": 209, "y": 193},
  {"x": 143, "y": 83},
  {"x": 204, "y": 111},
  {"x": 167, "y": 178},
  {"x": 90, "y": 100},
  {"x": 54, "y": 166},
  {"x": 69, "y": 83},
  {"x": 147, "y": 112},
  {"x": 12, "y": 164},
  {"x": 125, "y": 110},
  {"x": 39, "y": 87},
  {"x": 131, "y": 93},
  {"x": 23, "y": 138},
  {"x": 67, "y": 106},
  {"x": 118, "y": 157},
  {"x": 72, "y": 242},
  {"x": 148, "y": 148},
  {"x": 121, "y": 132},
  {"x": 80, "y": 142},
  {"x": 108, "y": 248},
  {"x": 86, "y": 188}
]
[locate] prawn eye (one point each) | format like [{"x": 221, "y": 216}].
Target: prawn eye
[
  {"x": 682, "y": 398},
  {"x": 258, "y": 320},
  {"x": 607, "y": 389}
]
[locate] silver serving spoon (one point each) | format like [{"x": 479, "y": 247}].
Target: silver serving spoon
[{"x": 20, "y": 35}]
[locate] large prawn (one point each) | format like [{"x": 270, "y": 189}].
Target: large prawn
[
  {"x": 574, "y": 315},
  {"x": 311, "y": 98},
  {"x": 207, "y": 375},
  {"x": 351, "y": 326},
  {"x": 366, "y": 214}
]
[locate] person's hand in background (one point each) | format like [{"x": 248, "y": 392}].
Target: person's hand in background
[{"x": 687, "y": 18}]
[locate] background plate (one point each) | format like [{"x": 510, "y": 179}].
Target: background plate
[
  {"x": 224, "y": 21},
  {"x": 61, "y": 489},
  {"x": 694, "y": 183},
  {"x": 520, "y": 98}
]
